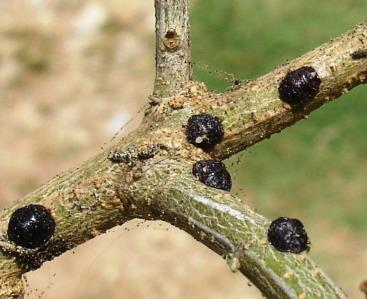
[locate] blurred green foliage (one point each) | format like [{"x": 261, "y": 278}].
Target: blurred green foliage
[{"x": 315, "y": 170}]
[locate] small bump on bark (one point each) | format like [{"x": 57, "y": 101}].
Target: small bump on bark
[
  {"x": 213, "y": 173},
  {"x": 359, "y": 54},
  {"x": 288, "y": 235},
  {"x": 299, "y": 86},
  {"x": 31, "y": 226},
  {"x": 204, "y": 131}
]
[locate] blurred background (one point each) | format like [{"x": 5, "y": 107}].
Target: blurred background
[{"x": 72, "y": 73}]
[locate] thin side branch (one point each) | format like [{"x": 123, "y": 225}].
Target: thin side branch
[{"x": 173, "y": 53}]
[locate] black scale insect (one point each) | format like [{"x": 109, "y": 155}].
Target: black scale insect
[
  {"x": 299, "y": 86},
  {"x": 359, "y": 54},
  {"x": 204, "y": 131},
  {"x": 31, "y": 226},
  {"x": 288, "y": 235},
  {"x": 213, "y": 173}
]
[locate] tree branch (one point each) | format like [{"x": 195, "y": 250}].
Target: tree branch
[
  {"x": 253, "y": 112},
  {"x": 84, "y": 203},
  {"x": 233, "y": 230},
  {"x": 173, "y": 53},
  {"x": 130, "y": 179}
]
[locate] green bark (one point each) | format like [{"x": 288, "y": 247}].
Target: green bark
[{"x": 154, "y": 181}]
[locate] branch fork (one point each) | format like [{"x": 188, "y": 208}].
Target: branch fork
[{"x": 148, "y": 174}]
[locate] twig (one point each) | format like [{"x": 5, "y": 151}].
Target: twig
[{"x": 173, "y": 54}]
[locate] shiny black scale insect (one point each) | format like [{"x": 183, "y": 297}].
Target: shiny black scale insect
[
  {"x": 288, "y": 235},
  {"x": 204, "y": 131},
  {"x": 31, "y": 226},
  {"x": 299, "y": 86},
  {"x": 213, "y": 173}
]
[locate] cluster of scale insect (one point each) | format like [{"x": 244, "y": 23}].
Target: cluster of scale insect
[
  {"x": 32, "y": 226},
  {"x": 205, "y": 131}
]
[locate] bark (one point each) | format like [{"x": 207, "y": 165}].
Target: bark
[
  {"x": 148, "y": 173},
  {"x": 173, "y": 56}
]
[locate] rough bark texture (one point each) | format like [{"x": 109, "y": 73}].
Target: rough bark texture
[
  {"x": 148, "y": 173},
  {"x": 173, "y": 56}
]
